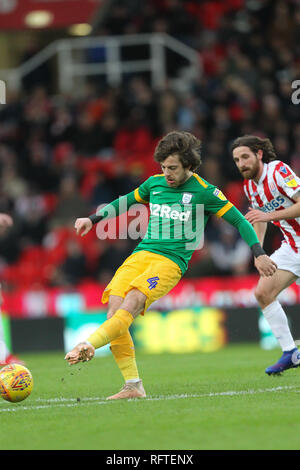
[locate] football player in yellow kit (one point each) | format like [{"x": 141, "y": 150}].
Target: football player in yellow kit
[{"x": 158, "y": 262}]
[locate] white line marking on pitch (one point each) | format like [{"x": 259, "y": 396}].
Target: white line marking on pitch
[{"x": 70, "y": 402}]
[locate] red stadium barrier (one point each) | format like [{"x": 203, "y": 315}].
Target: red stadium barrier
[{"x": 223, "y": 292}]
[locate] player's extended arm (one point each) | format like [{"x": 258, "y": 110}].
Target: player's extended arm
[
  {"x": 118, "y": 206},
  {"x": 260, "y": 229},
  {"x": 263, "y": 263},
  {"x": 292, "y": 212},
  {"x": 247, "y": 232}
]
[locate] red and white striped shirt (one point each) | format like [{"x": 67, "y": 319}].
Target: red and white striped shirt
[{"x": 275, "y": 191}]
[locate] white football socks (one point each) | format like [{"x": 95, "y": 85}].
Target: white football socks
[{"x": 278, "y": 322}]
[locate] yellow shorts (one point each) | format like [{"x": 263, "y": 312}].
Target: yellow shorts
[{"x": 153, "y": 274}]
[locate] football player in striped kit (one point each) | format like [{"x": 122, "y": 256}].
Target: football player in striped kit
[{"x": 273, "y": 190}]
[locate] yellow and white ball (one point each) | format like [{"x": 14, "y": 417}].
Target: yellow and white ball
[{"x": 16, "y": 383}]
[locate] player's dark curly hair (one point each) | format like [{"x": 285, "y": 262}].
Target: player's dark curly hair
[
  {"x": 255, "y": 144},
  {"x": 182, "y": 143}
]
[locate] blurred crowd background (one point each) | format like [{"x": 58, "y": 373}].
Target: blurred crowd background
[{"x": 63, "y": 156}]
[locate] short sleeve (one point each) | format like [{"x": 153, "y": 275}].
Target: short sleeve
[
  {"x": 142, "y": 193},
  {"x": 287, "y": 181},
  {"x": 215, "y": 201}
]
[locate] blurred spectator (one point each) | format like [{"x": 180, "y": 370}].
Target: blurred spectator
[
  {"x": 12, "y": 184},
  {"x": 70, "y": 204},
  {"x": 31, "y": 213},
  {"x": 113, "y": 255},
  {"x": 224, "y": 253},
  {"x": 108, "y": 128},
  {"x": 133, "y": 136},
  {"x": 230, "y": 254},
  {"x": 73, "y": 268},
  {"x": 167, "y": 110},
  {"x": 61, "y": 128},
  {"x": 87, "y": 137},
  {"x": 39, "y": 170},
  {"x": 103, "y": 192}
]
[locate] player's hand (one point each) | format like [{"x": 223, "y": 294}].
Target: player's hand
[
  {"x": 255, "y": 215},
  {"x": 83, "y": 226},
  {"x": 265, "y": 266},
  {"x": 81, "y": 353}
]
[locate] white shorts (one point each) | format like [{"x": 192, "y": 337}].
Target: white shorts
[{"x": 286, "y": 258}]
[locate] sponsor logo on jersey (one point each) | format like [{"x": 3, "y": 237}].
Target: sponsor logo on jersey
[
  {"x": 163, "y": 210},
  {"x": 290, "y": 181},
  {"x": 273, "y": 205},
  {"x": 292, "y": 184},
  {"x": 220, "y": 195},
  {"x": 283, "y": 170}
]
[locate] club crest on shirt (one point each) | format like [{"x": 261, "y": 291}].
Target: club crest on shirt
[
  {"x": 272, "y": 187},
  {"x": 186, "y": 198}
]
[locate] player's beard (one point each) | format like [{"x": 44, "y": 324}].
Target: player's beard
[
  {"x": 179, "y": 181},
  {"x": 252, "y": 172},
  {"x": 184, "y": 178}
]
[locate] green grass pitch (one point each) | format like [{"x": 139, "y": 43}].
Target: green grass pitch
[{"x": 209, "y": 401}]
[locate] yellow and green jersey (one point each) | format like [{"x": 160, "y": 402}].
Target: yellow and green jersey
[{"x": 178, "y": 216}]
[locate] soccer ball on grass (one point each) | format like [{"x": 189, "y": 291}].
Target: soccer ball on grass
[{"x": 16, "y": 382}]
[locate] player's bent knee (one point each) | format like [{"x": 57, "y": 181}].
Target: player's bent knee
[
  {"x": 134, "y": 302},
  {"x": 114, "y": 304},
  {"x": 263, "y": 296}
]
